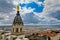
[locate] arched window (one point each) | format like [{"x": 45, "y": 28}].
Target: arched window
[
  {"x": 20, "y": 29},
  {"x": 7, "y": 39},
  {"x": 17, "y": 30}
]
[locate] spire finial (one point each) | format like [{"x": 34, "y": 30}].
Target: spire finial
[{"x": 18, "y": 8}]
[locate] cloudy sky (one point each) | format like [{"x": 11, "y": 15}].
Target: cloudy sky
[{"x": 33, "y": 12}]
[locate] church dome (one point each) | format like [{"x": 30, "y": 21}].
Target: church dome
[{"x": 17, "y": 19}]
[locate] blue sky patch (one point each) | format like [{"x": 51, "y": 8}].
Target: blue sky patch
[
  {"x": 38, "y": 8},
  {"x": 41, "y": 0}
]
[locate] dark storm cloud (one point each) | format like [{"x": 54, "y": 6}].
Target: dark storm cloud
[
  {"x": 55, "y": 14},
  {"x": 29, "y": 18},
  {"x": 1, "y": 18},
  {"x": 6, "y": 7}
]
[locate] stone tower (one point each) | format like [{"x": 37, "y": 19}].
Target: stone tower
[{"x": 17, "y": 27}]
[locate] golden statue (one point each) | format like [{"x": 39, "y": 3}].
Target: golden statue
[{"x": 18, "y": 8}]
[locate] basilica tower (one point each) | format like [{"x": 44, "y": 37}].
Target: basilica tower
[{"x": 17, "y": 26}]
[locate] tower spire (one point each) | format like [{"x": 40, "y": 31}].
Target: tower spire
[
  {"x": 18, "y": 9},
  {"x": 17, "y": 27}
]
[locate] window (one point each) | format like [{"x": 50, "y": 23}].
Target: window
[
  {"x": 16, "y": 29},
  {"x": 7, "y": 39},
  {"x": 20, "y": 29}
]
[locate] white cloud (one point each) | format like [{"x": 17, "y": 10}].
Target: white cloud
[
  {"x": 27, "y": 1},
  {"x": 39, "y": 3},
  {"x": 25, "y": 10},
  {"x": 16, "y": 2},
  {"x": 51, "y": 7}
]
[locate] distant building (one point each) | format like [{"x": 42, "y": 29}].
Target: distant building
[{"x": 45, "y": 38}]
